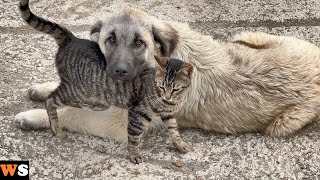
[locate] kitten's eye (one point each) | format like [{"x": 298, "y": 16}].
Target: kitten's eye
[
  {"x": 111, "y": 40},
  {"x": 175, "y": 89},
  {"x": 138, "y": 43},
  {"x": 161, "y": 87}
]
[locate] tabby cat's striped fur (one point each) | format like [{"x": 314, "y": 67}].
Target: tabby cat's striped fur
[{"x": 84, "y": 83}]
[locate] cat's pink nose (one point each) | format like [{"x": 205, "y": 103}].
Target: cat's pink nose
[{"x": 167, "y": 97}]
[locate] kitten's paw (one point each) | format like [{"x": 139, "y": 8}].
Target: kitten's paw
[
  {"x": 135, "y": 159},
  {"x": 40, "y": 92},
  {"x": 56, "y": 129},
  {"x": 184, "y": 147}
]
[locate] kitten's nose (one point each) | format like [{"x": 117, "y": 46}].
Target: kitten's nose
[{"x": 167, "y": 97}]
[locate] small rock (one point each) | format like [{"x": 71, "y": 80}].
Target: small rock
[
  {"x": 136, "y": 173},
  {"x": 114, "y": 174},
  {"x": 70, "y": 175},
  {"x": 45, "y": 172},
  {"x": 123, "y": 164},
  {"x": 56, "y": 175},
  {"x": 178, "y": 163}
]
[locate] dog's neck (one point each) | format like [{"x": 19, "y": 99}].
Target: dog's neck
[
  {"x": 207, "y": 55},
  {"x": 201, "y": 50}
]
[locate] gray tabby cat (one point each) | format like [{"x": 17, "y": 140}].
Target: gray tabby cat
[{"x": 85, "y": 83}]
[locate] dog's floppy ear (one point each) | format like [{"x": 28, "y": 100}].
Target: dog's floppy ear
[
  {"x": 161, "y": 62},
  {"x": 167, "y": 37},
  {"x": 95, "y": 31}
]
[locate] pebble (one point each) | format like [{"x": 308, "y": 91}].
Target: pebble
[{"x": 178, "y": 163}]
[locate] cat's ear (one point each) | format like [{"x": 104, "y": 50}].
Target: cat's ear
[
  {"x": 161, "y": 61},
  {"x": 186, "y": 69}
]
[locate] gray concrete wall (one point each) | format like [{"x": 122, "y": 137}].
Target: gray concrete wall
[{"x": 26, "y": 57}]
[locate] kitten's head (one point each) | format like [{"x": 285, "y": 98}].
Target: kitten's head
[{"x": 173, "y": 78}]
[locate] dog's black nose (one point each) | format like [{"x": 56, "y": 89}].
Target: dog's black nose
[{"x": 121, "y": 72}]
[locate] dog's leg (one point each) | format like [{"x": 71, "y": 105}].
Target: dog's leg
[
  {"x": 32, "y": 119},
  {"x": 111, "y": 123},
  {"x": 40, "y": 92},
  {"x": 36, "y": 118},
  {"x": 293, "y": 119},
  {"x": 172, "y": 126}
]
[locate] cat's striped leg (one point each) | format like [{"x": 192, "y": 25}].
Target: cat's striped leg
[
  {"x": 51, "y": 107},
  {"x": 58, "y": 98},
  {"x": 138, "y": 121},
  {"x": 172, "y": 126}
]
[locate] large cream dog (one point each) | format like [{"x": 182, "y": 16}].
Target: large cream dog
[{"x": 256, "y": 83}]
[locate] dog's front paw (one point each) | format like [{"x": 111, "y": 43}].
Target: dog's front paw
[
  {"x": 40, "y": 92},
  {"x": 32, "y": 119},
  {"x": 136, "y": 158},
  {"x": 22, "y": 122},
  {"x": 184, "y": 147}
]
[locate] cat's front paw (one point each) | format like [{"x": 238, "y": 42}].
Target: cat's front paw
[
  {"x": 183, "y": 147},
  {"x": 56, "y": 132},
  {"x": 56, "y": 129},
  {"x": 136, "y": 159}
]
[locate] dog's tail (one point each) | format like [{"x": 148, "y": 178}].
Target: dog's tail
[{"x": 60, "y": 34}]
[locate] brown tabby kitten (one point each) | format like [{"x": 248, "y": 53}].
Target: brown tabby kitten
[{"x": 85, "y": 83}]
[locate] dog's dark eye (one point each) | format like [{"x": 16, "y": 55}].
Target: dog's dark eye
[
  {"x": 138, "y": 43},
  {"x": 111, "y": 40}
]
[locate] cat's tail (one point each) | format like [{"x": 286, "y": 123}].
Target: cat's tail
[{"x": 60, "y": 34}]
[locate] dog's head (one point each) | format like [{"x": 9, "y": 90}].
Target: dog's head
[{"x": 129, "y": 40}]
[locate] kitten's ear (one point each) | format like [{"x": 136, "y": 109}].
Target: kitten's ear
[
  {"x": 186, "y": 69},
  {"x": 161, "y": 61},
  {"x": 95, "y": 31}
]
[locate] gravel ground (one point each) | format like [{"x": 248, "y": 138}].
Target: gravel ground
[{"x": 27, "y": 58}]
